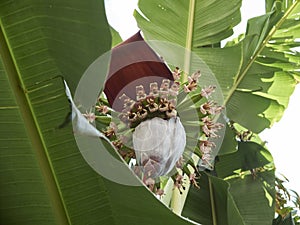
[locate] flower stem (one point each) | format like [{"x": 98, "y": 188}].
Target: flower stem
[
  {"x": 166, "y": 198},
  {"x": 179, "y": 196},
  {"x": 178, "y": 199},
  {"x": 176, "y": 203}
]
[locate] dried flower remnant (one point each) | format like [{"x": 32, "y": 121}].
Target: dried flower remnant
[
  {"x": 195, "y": 76},
  {"x": 140, "y": 93},
  {"x": 171, "y": 111},
  {"x": 206, "y": 151},
  {"x": 193, "y": 180},
  {"x": 127, "y": 102},
  {"x": 207, "y": 91},
  {"x": 126, "y": 153},
  {"x": 179, "y": 163},
  {"x": 206, "y": 146},
  {"x": 113, "y": 126},
  {"x": 207, "y": 159},
  {"x": 178, "y": 183},
  {"x": 174, "y": 89},
  {"x": 111, "y": 130},
  {"x": 154, "y": 89},
  {"x": 210, "y": 128},
  {"x": 150, "y": 183},
  {"x": 118, "y": 144},
  {"x": 210, "y": 107},
  {"x": 163, "y": 105},
  {"x": 160, "y": 102},
  {"x": 103, "y": 109},
  {"x": 141, "y": 112},
  {"x": 90, "y": 116},
  {"x": 151, "y": 104},
  {"x": 176, "y": 74},
  {"x": 192, "y": 82},
  {"x": 159, "y": 192}
]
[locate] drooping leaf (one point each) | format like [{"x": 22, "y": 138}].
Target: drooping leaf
[
  {"x": 254, "y": 197},
  {"x": 266, "y": 76},
  {"x": 208, "y": 205},
  {"x": 250, "y": 155},
  {"x": 235, "y": 201},
  {"x": 243, "y": 70},
  {"x": 229, "y": 144}
]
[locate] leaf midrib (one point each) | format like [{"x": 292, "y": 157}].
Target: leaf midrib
[
  {"x": 33, "y": 131},
  {"x": 189, "y": 38},
  {"x": 212, "y": 202},
  {"x": 255, "y": 55},
  {"x": 190, "y": 25}
]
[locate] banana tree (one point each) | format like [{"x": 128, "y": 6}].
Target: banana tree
[{"x": 44, "y": 177}]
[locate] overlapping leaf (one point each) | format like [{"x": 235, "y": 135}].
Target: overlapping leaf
[
  {"x": 228, "y": 202},
  {"x": 44, "y": 178},
  {"x": 40, "y": 165},
  {"x": 243, "y": 69},
  {"x": 256, "y": 72},
  {"x": 266, "y": 76}
]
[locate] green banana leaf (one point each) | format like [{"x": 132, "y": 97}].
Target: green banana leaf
[
  {"x": 257, "y": 73},
  {"x": 231, "y": 196},
  {"x": 44, "y": 177},
  {"x": 228, "y": 202},
  {"x": 191, "y": 24},
  {"x": 249, "y": 70},
  {"x": 213, "y": 198},
  {"x": 249, "y": 156}
]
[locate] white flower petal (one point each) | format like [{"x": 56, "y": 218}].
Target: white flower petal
[
  {"x": 80, "y": 124},
  {"x": 159, "y": 140}
]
